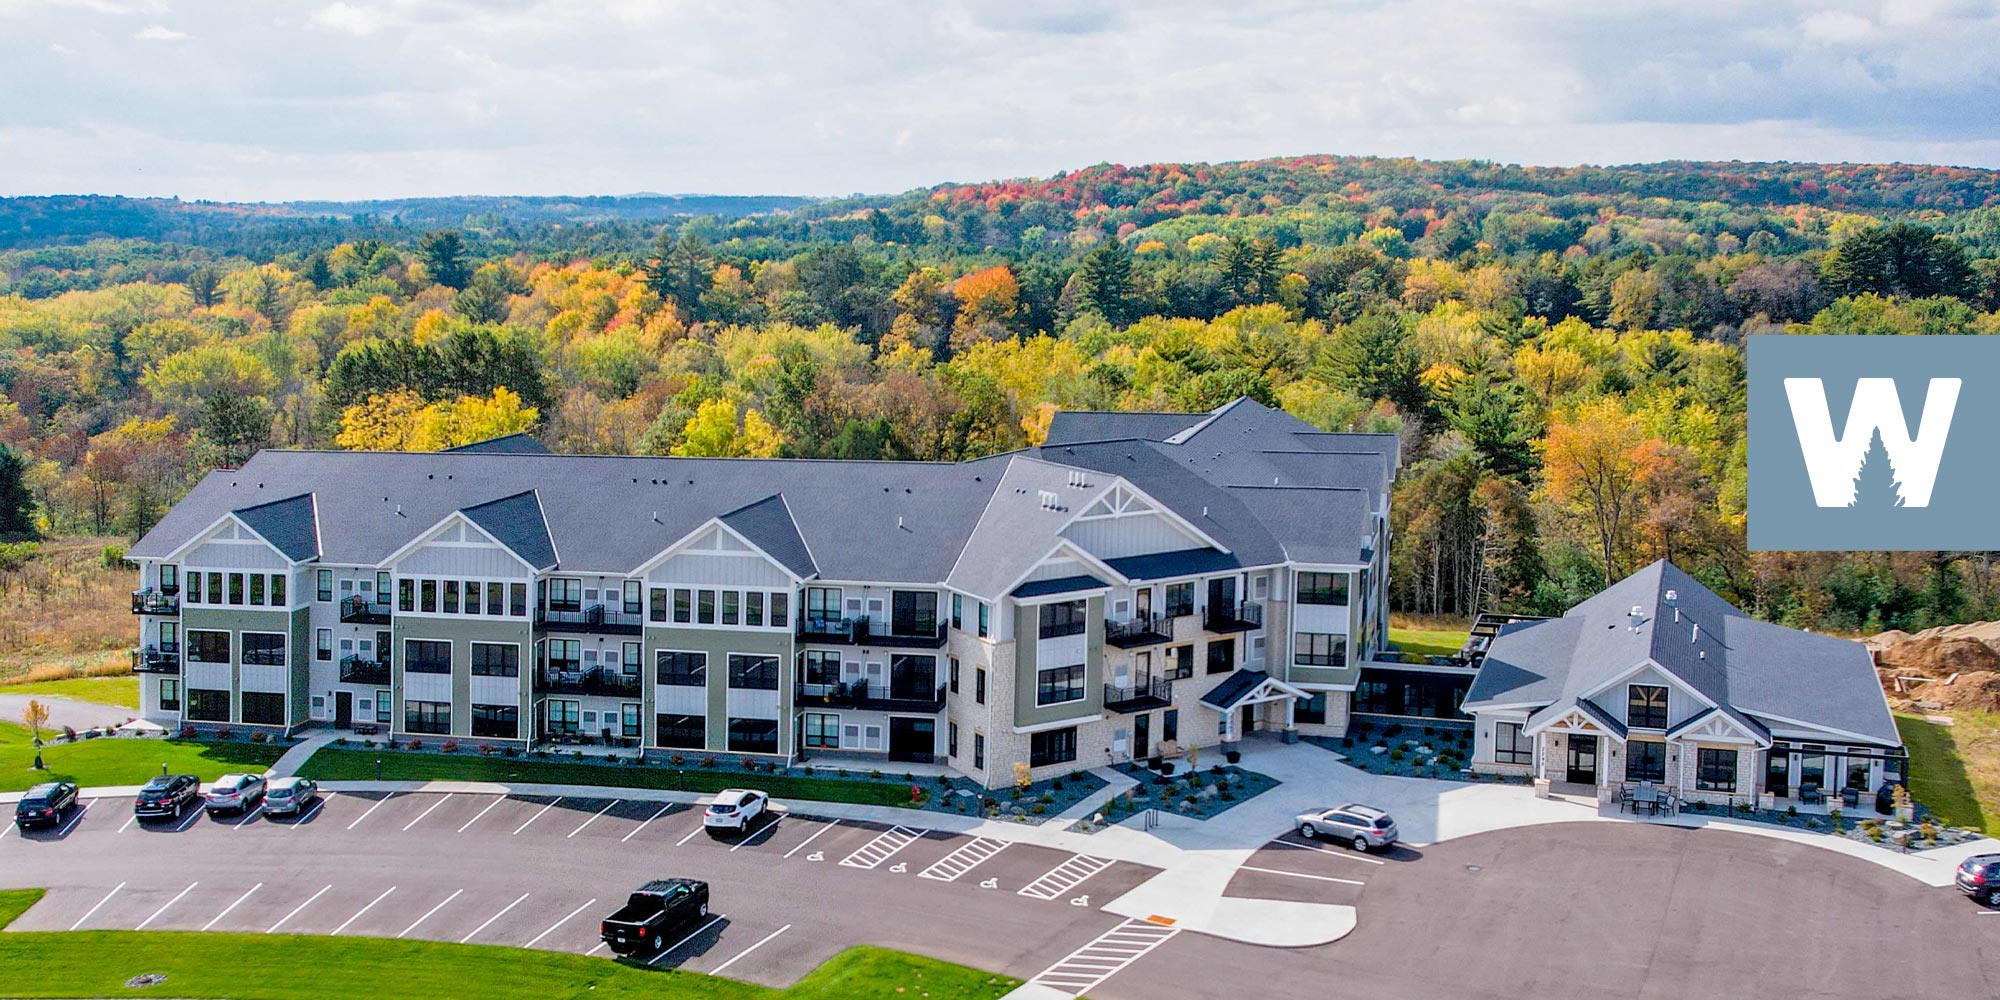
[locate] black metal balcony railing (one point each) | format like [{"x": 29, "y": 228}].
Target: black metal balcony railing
[
  {"x": 875, "y": 697},
  {"x": 164, "y": 658},
  {"x": 594, "y": 618},
  {"x": 1243, "y": 616},
  {"x": 357, "y": 669},
  {"x": 359, "y": 610},
  {"x": 154, "y": 602},
  {"x": 841, "y": 630},
  {"x": 1142, "y": 696},
  {"x": 1142, "y": 630},
  {"x": 918, "y": 635},
  {"x": 614, "y": 683}
]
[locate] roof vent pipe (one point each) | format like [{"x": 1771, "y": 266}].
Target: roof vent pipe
[
  {"x": 1697, "y": 632},
  {"x": 1677, "y": 616},
  {"x": 1637, "y": 610}
]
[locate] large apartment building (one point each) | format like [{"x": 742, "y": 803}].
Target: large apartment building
[{"x": 1140, "y": 579}]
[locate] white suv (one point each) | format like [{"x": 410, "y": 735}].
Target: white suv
[
  {"x": 735, "y": 809},
  {"x": 1362, "y": 827}
]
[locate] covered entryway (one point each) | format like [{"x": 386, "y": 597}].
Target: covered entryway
[
  {"x": 1582, "y": 760},
  {"x": 1236, "y": 698},
  {"x": 913, "y": 740}
]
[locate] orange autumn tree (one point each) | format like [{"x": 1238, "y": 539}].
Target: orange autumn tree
[
  {"x": 987, "y": 300},
  {"x": 1596, "y": 462}
]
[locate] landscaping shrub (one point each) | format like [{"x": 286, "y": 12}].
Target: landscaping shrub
[
  {"x": 449, "y": 746},
  {"x": 708, "y": 762},
  {"x": 225, "y": 733},
  {"x": 187, "y": 732},
  {"x": 485, "y": 749},
  {"x": 416, "y": 744},
  {"x": 508, "y": 751},
  {"x": 259, "y": 736}
]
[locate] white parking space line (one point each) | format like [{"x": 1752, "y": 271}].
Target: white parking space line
[
  {"x": 1110, "y": 953},
  {"x": 296, "y": 910},
  {"x": 189, "y": 821},
  {"x": 489, "y": 920},
  {"x": 552, "y": 927},
  {"x": 739, "y": 955},
  {"x": 697, "y": 932},
  {"x": 497, "y": 799},
  {"x": 537, "y": 815},
  {"x": 100, "y": 905},
  {"x": 128, "y": 823},
  {"x": 365, "y": 909},
  {"x": 698, "y": 827},
  {"x": 1064, "y": 877},
  {"x": 950, "y": 867},
  {"x": 427, "y": 812},
  {"x": 599, "y": 947},
  {"x": 244, "y": 820},
  {"x": 163, "y": 906},
  {"x": 4, "y": 831},
  {"x": 649, "y": 820},
  {"x": 885, "y": 845},
  {"x": 747, "y": 841},
  {"x": 232, "y": 906},
  {"x": 1316, "y": 878},
  {"x": 812, "y": 838},
  {"x": 371, "y": 810},
  {"x": 428, "y": 913},
  {"x": 74, "y": 820},
  {"x": 317, "y": 805},
  {"x": 1349, "y": 855},
  {"x": 592, "y": 819}
]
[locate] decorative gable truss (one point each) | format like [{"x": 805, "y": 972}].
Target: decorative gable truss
[
  {"x": 716, "y": 553},
  {"x": 230, "y": 544},
  {"x": 1124, "y": 521},
  {"x": 1575, "y": 719},
  {"x": 1715, "y": 727},
  {"x": 456, "y": 547}
]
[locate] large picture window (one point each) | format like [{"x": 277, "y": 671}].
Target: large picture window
[
  {"x": 1058, "y": 685},
  {"x": 1312, "y": 711},
  {"x": 265, "y": 649},
  {"x": 757, "y": 673},
  {"x": 1323, "y": 588},
  {"x": 263, "y": 708},
  {"x": 822, "y": 731},
  {"x": 207, "y": 706},
  {"x": 1510, "y": 745},
  {"x": 492, "y": 659},
  {"x": 1645, "y": 706},
  {"x": 686, "y": 732},
  {"x": 1320, "y": 649},
  {"x": 204, "y": 646},
  {"x": 913, "y": 612},
  {"x": 1221, "y": 656},
  {"x": 426, "y": 656},
  {"x": 1054, "y": 746},
  {"x": 1645, "y": 760},
  {"x": 500, "y": 722},
  {"x": 753, "y": 735},
  {"x": 681, "y": 669},
  {"x": 427, "y": 716},
  {"x": 1062, "y": 618},
  {"x": 1715, "y": 770}
]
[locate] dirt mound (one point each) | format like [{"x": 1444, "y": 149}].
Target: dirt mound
[
  {"x": 1953, "y": 666},
  {"x": 1938, "y": 656}
]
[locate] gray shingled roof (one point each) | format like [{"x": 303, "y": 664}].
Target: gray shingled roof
[
  {"x": 518, "y": 523},
  {"x": 1748, "y": 667},
  {"x": 1079, "y": 426},
  {"x": 768, "y": 525},
  {"x": 289, "y": 524},
  {"x": 1233, "y": 689},
  {"x": 510, "y": 444}
]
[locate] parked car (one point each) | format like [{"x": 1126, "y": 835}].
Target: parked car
[
  {"x": 1979, "y": 877},
  {"x": 166, "y": 797},
  {"x": 1362, "y": 827},
  {"x": 290, "y": 796},
  {"x": 654, "y": 912},
  {"x": 235, "y": 793},
  {"x": 735, "y": 809},
  {"x": 45, "y": 804}
]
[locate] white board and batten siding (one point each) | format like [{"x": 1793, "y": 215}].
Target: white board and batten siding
[
  {"x": 745, "y": 703},
  {"x": 680, "y": 699},
  {"x": 489, "y": 690},
  {"x": 435, "y": 687},
  {"x": 717, "y": 558},
  {"x": 233, "y": 546},
  {"x": 208, "y": 676},
  {"x": 460, "y": 550},
  {"x": 266, "y": 678},
  {"x": 1330, "y": 619}
]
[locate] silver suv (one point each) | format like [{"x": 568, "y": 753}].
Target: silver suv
[{"x": 1362, "y": 827}]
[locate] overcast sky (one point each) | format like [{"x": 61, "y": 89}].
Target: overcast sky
[{"x": 276, "y": 99}]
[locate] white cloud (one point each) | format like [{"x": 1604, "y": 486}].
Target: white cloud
[
  {"x": 159, "y": 33},
  {"x": 349, "y": 18}
]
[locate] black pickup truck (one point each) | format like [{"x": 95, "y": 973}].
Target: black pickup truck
[{"x": 652, "y": 913}]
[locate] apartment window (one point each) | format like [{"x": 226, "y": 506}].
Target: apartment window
[
  {"x": 1323, "y": 588},
  {"x": 1053, "y": 746},
  {"x": 170, "y": 578},
  {"x": 985, "y": 619},
  {"x": 1180, "y": 599},
  {"x": 427, "y": 591},
  {"x": 384, "y": 709},
  {"x": 170, "y": 637},
  {"x": 323, "y": 582},
  {"x": 236, "y": 588},
  {"x": 1058, "y": 685},
  {"x": 687, "y": 732},
  {"x": 496, "y": 599},
  {"x": 278, "y": 590},
  {"x": 1645, "y": 706},
  {"x": 753, "y": 609},
  {"x": 565, "y": 655},
  {"x": 979, "y": 685},
  {"x": 207, "y": 706},
  {"x": 426, "y": 656},
  {"x": 656, "y": 606},
  {"x": 630, "y": 663},
  {"x": 500, "y": 722},
  {"x": 822, "y": 731},
  {"x": 215, "y": 588},
  {"x": 1715, "y": 770},
  {"x": 683, "y": 605},
  {"x": 705, "y": 607},
  {"x": 565, "y": 594},
  {"x": 681, "y": 669},
  {"x": 406, "y": 595},
  {"x": 1180, "y": 662},
  {"x": 194, "y": 588},
  {"x": 517, "y": 600},
  {"x": 451, "y": 597},
  {"x": 1170, "y": 725},
  {"x": 631, "y": 598},
  {"x": 170, "y": 694},
  {"x": 427, "y": 716},
  {"x": 563, "y": 717},
  {"x": 323, "y": 644},
  {"x": 1645, "y": 760},
  {"x": 1319, "y": 649},
  {"x": 951, "y": 672},
  {"x": 979, "y": 751},
  {"x": 729, "y": 599},
  {"x": 1221, "y": 656},
  {"x": 262, "y": 708},
  {"x": 257, "y": 590},
  {"x": 753, "y": 735},
  {"x": 822, "y": 667},
  {"x": 1062, "y": 618},
  {"x": 822, "y": 605},
  {"x": 1311, "y": 711},
  {"x": 264, "y": 649},
  {"x": 207, "y": 647},
  {"x": 1510, "y": 745},
  {"x": 1373, "y": 697},
  {"x": 958, "y": 611},
  {"x": 757, "y": 673},
  {"x": 382, "y": 587},
  {"x": 781, "y": 610},
  {"x": 493, "y": 659},
  {"x": 913, "y": 612}
]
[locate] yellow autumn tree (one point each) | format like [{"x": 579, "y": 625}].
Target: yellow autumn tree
[
  {"x": 402, "y": 421},
  {"x": 1596, "y": 462},
  {"x": 716, "y": 431}
]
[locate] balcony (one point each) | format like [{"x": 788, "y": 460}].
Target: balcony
[
  {"x": 1141, "y": 697},
  {"x": 357, "y": 669},
  {"x": 164, "y": 658},
  {"x": 593, "y": 619},
  {"x": 912, "y": 635},
  {"x": 872, "y": 697},
  {"x": 609, "y": 683},
  {"x": 845, "y": 631},
  {"x": 155, "y": 602},
  {"x": 1243, "y": 616},
  {"x": 359, "y": 610},
  {"x": 1143, "y": 630}
]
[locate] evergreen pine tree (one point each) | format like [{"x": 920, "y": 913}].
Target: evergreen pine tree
[{"x": 1875, "y": 485}]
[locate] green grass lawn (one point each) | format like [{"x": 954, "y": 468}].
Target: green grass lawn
[
  {"x": 250, "y": 967},
  {"x": 1427, "y": 641},
  {"x": 1956, "y": 782},
  {"x": 120, "y": 691},
  {"x": 335, "y": 764},
  {"x": 121, "y": 760}
]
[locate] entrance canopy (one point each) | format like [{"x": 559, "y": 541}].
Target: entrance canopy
[{"x": 1250, "y": 687}]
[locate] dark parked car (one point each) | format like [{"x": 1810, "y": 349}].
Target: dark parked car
[
  {"x": 167, "y": 797},
  {"x": 652, "y": 913},
  {"x": 1979, "y": 877},
  {"x": 45, "y": 805}
]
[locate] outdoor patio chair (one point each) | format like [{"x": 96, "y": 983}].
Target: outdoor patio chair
[
  {"x": 1809, "y": 794},
  {"x": 1850, "y": 797}
]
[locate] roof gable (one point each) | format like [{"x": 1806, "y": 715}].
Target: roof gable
[
  {"x": 517, "y": 522},
  {"x": 290, "y": 525}
]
